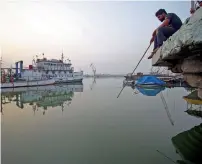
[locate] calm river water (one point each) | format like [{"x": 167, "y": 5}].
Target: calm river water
[{"x": 87, "y": 124}]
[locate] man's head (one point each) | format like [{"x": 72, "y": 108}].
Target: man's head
[
  {"x": 161, "y": 14},
  {"x": 200, "y": 3}
]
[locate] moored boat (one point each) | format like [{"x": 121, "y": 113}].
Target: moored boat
[
  {"x": 41, "y": 72},
  {"x": 150, "y": 82}
]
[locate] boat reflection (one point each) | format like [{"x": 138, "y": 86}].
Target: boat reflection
[
  {"x": 41, "y": 97},
  {"x": 188, "y": 145},
  {"x": 147, "y": 91},
  {"x": 194, "y": 104},
  {"x": 150, "y": 91}
]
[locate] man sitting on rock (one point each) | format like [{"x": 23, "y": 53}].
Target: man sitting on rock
[{"x": 171, "y": 23}]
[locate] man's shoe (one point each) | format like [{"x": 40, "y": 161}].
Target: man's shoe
[{"x": 152, "y": 54}]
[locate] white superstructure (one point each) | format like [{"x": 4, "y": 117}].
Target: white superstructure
[{"x": 55, "y": 69}]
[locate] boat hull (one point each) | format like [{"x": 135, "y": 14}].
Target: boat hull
[
  {"x": 149, "y": 85},
  {"x": 69, "y": 80},
  {"x": 28, "y": 83}
]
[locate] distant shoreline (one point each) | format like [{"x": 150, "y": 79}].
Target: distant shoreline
[{"x": 103, "y": 76}]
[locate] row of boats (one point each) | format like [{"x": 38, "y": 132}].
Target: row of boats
[{"x": 152, "y": 81}]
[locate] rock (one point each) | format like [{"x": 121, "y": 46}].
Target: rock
[
  {"x": 189, "y": 34},
  {"x": 200, "y": 93},
  {"x": 194, "y": 80}
]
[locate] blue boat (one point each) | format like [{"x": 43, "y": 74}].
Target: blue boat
[{"x": 150, "y": 81}]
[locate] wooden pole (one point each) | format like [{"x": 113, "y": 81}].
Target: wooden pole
[
  {"x": 135, "y": 68},
  {"x": 192, "y": 4}
]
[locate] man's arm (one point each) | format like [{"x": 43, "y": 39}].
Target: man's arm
[{"x": 165, "y": 23}]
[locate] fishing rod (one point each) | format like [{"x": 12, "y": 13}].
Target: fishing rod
[
  {"x": 166, "y": 156},
  {"x": 166, "y": 108},
  {"x": 135, "y": 68}
]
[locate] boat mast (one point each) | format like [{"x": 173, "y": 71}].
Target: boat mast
[{"x": 62, "y": 57}]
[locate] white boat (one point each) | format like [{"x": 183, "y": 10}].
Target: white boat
[
  {"x": 59, "y": 70},
  {"x": 31, "y": 83}
]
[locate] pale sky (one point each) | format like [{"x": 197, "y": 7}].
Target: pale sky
[{"x": 112, "y": 35}]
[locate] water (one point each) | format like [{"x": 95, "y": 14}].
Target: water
[{"x": 92, "y": 126}]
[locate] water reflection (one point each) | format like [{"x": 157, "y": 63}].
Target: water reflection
[
  {"x": 194, "y": 104},
  {"x": 150, "y": 91},
  {"x": 96, "y": 127},
  {"x": 93, "y": 83},
  {"x": 154, "y": 91},
  {"x": 188, "y": 145},
  {"x": 41, "y": 97}
]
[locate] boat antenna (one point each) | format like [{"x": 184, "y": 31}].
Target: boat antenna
[
  {"x": 135, "y": 68},
  {"x": 62, "y": 57},
  {"x": 33, "y": 61},
  {"x": 170, "y": 159}
]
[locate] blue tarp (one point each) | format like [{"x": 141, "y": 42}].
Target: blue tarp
[
  {"x": 150, "y": 80},
  {"x": 150, "y": 91}
]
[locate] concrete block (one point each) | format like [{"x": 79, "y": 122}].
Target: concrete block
[
  {"x": 191, "y": 66},
  {"x": 194, "y": 80}
]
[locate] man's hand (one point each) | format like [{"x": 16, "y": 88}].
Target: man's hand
[
  {"x": 192, "y": 11},
  {"x": 154, "y": 33},
  {"x": 152, "y": 39}
]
